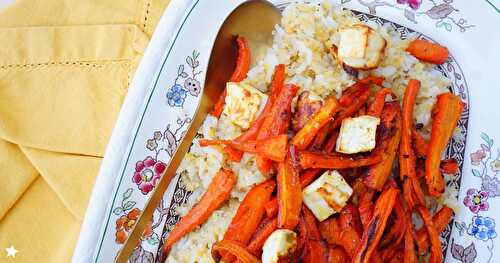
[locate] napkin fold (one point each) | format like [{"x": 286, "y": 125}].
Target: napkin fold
[{"x": 65, "y": 67}]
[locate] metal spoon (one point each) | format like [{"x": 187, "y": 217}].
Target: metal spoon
[{"x": 253, "y": 20}]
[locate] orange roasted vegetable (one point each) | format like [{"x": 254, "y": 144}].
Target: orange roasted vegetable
[
  {"x": 289, "y": 191},
  {"x": 352, "y": 105},
  {"x": 376, "y": 227},
  {"x": 305, "y": 179},
  {"x": 440, "y": 220},
  {"x": 320, "y": 138},
  {"x": 249, "y": 214},
  {"x": 331, "y": 142},
  {"x": 428, "y": 51},
  {"x": 276, "y": 122},
  {"x": 446, "y": 114},
  {"x": 304, "y": 110},
  {"x": 234, "y": 248},
  {"x": 389, "y": 135},
  {"x": 436, "y": 252},
  {"x": 304, "y": 137},
  {"x": 310, "y": 223},
  {"x": 410, "y": 254},
  {"x": 406, "y": 153},
  {"x": 377, "y": 105},
  {"x": 329, "y": 161},
  {"x": 316, "y": 252},
  {"x": 419, "y": 144},
  {"x": 217, "y": 193},
  {"x": 239, "y": 73},
  {"x": 396, "y": 233},
  {"x": 263, "y": 232},
  {"x": 449, "y": 166},
  {"x": 273, "y": 148},
  {"x": 337, "y": 255},
  {"x": 330, "y": 231},
  {"x": 365, "y": 207}
]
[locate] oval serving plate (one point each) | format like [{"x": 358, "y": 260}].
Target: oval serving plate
[{"x": 162, "y": 99}]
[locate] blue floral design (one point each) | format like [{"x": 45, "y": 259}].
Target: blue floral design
[
  {"x": 482, "y": 228},
  {"x": 176, "y": 96}
]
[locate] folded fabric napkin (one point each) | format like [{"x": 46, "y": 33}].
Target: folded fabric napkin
[{"x": 65, "y": 67}]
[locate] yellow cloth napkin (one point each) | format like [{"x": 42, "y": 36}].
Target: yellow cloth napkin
[{"x": 65, "y": 67}]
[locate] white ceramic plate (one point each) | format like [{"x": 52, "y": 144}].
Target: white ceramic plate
[{"x": 160, "y": 104}]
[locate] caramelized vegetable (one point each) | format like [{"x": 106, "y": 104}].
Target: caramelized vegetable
[
  {"x": 304, "y": 110},
  {"x": 310, "y": 223},
  {"x": 436, "y": 253},
  {"x": 376, "y": 227},
  {"x": 218, "y": 192},
  {"x": 273, "y": 148},
  {"x": 289, "y": 192},
  {"x": 377, "y": 105},
  {"x": 316, "y": 252},
  {"x": 419, "y": 144},
  {"x": 428, "y": 51},
  {"x": 235, "y": 249},
  {"x": 258, "y": 239},
  {"x": 446, "y": 114},
  {"x": 406, "y": 154},
  {"x": 318, "y": 120},
  {"x": 337, "y": 255},
  {"x": 389, "y": 136},
  {"x": 329, "y": 161},
  {"x": 352, "y": 102},
  {"x": 441, "y": 219},
  {"x": 239, "y": 73},
  {"x": 449, "y": 166},
  {"x": 249, "y": 214}
]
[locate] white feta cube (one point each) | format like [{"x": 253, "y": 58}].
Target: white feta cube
[
  {"x": 280, "y": 244},
  {"x": 242, "y": 103},
  {"x": 357, "y": 134},
  {"x": 327, "y": 195},
  {"x": 360, "y": 47}
]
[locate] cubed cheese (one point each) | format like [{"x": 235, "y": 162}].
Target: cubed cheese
[
  {"x": 327, "y": 195},
  {"x": 242, "y": 103},
  {"x": 357, "y": 134},
  {"x": 280, "y": 244},
  {"x": 360, "y": 47}
]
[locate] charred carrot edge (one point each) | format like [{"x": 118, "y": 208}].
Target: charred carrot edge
[
  {"x": 406, "y": 154},
  {"x": 289, "y": 192},
  {"x": 243, "y": 60},
  {"x": 419, "y": 144},
  {"x": 257, "y": 242},
  {"x": 377, "y": 105},
  {"x": 365, "y": 208},
  {"x": 330, "y": 230},
  {"x": 372, "y": 80},
  {"x": 306, "y": 178},
  {"x": 310, "y": 223},
  {"x": 371, "y": 237},
  {"x": 248, "y": 216},
  {"x": 218, "y": 192},
  {"x": 449, "y": 166},
  {"x": 235, "y": 249},
  {"x": 446, "y": 114},
  {"x": 396, "y": 233},
  {"x": 440, "y": 220},
  {"x": 328, "y": 161},
  {"x": 390, "y": 130},
  {"x": 428, "y": 51},
  {"x": 304, "y": 137},
  {"x": 360, "y": 97},
  {"x": 331, "y": 142},
  {"x": 273, "y": 147},
  {"x": 320, "y": 138},
  {"x": 316, "y": 252},
  {"x": 433, "y": 234}
]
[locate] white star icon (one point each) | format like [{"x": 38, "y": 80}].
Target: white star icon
[{"x": 11, "y": 251}]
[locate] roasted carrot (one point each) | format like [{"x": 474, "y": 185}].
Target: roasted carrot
[
  {"x": 410, "y": 254},
  {"x": 329, "y": 161},
  {"x": 310, "y": 223},
  {"x": 396, "y": 233},
  {"x": 330, "y": 231},
  {"x": 360, "y": 96},
  {"x": 440, "y": 220},
  {"x": 446, "y": 114},
  {"x": 372, "y": 80},
  {"x": 251, "y": 134},
  {"x": 406, "y": 153},
  {"x": 306, "y": 178},
  {"x": 249, "y": 214},
  {"x": 218, "y": 192},
  {"x": 449, "y": 166},
  {"x": 234, "y": 248},
  {"x": 331, "y": 142},
  {"x": 233, "y": 154},
  {"x": 389, "y": 136},
  {"x": 289, "y": 191},
  {"x": 377, "y": 105},
  {"x": 239, "y": 73},
  {"x": 304, "y": 110},
  {"x": 365, "y": 208},
  {"x": 243, "y": 60},
  {"x": 376, "y": 227},
  {"x": 276, "y": 122},
  {"x": 320, "y": 138},
  {"x": 273, "y": 148},
  {"x": 304, "y": 137},
  {"x": 433, "y": 234},
  {"x": 258, "y": 239},
  {"x": 417, "y": 191},
  {"x": 337, "y": 255},
  {"x": 428, "y": 51},
  {"x": 419, "y": 144},
  {"x": 408, "y": 193},
  {"x": 316, "y": 252}
]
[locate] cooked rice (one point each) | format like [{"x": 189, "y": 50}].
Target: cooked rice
[{"x": 301, "y": 42}]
